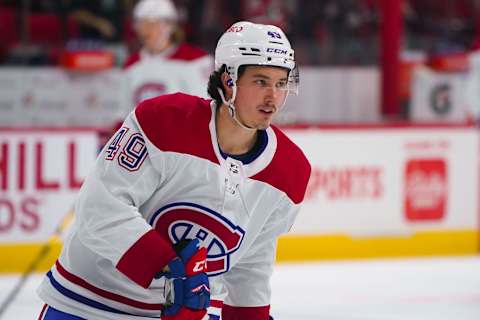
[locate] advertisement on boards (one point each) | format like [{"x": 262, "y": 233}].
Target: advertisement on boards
[
  {"x": 389, "y": 181},
  {"x": 41, "y": 172}
]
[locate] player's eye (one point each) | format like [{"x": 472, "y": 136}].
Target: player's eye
[
  {"x": 261, "y": 82},
  {"x": 282, "y": 85}
]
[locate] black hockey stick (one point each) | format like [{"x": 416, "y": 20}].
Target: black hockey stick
[{"x": 44, "y": 250}]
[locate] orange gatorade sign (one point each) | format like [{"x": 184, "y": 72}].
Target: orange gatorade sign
[{"x": 88, "y": 60}]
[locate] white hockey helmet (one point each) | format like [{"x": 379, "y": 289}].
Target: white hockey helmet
[
  {"x": 155, "y": 9},
  {"x": 247, "y": 43}
]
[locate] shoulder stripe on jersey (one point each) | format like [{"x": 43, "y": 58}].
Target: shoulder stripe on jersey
[
  {"x": 178, "y": 123},
  {"x": 289, "y": 169}
]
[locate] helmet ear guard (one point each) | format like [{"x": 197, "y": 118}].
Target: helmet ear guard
[{"x": 293, "y": 80}]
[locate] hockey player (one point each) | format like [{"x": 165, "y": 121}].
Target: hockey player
[
  {"x": 183, "y": 176},
  {"x": 165, "y": 64}
]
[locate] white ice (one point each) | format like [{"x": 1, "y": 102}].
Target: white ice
[{"x": 407, "y": 289}]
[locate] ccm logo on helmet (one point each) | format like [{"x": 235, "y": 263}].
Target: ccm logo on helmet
[
  {"x": 276, "y": 50},
  {"x": 235, "y": 29},
  {"x": 184, "y": 220}
]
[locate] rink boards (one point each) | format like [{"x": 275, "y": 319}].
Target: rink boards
[
  {"x": 387, "y": 191},
  {"x": 374, "y": 191}
]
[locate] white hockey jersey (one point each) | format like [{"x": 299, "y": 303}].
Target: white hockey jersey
[
  {"x": 162, "y": 178},
  {"x": 182, "y": 68}
]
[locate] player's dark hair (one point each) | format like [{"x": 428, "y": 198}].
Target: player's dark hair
[{"x": 215, "y": 81}]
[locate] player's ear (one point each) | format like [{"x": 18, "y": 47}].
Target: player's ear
[{"x": 227, "y": 83}]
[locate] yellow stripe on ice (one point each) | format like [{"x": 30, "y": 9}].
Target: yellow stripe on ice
[
  {"x": 424, "y": 243},
  {"x": 17, "y": 257}
]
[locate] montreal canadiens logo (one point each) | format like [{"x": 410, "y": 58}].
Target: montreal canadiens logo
[
  {"x": 148, "y": 90},
  {"x": 184, "y": 220}
]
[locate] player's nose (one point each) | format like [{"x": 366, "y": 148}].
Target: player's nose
[{"x": 271, "y": 93}]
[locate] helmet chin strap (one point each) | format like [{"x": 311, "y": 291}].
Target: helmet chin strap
[{"x": 231, "y": 108}]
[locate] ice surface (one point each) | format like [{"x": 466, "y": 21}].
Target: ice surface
[{"x": 407, "y": 289}]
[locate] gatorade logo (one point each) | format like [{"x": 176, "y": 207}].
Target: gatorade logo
[
  {"x": 441, "y": 99},
  {"x": 426, "y": 188}
]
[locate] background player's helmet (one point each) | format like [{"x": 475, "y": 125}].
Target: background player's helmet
[
  {"x": 246, "y": 43},
  {"x": 155, "y": 10}
]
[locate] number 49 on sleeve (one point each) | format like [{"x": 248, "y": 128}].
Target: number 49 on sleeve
[{"x": 133, "y": 153}]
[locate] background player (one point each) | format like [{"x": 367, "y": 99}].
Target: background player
[{"x": 165, "y": 64}]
